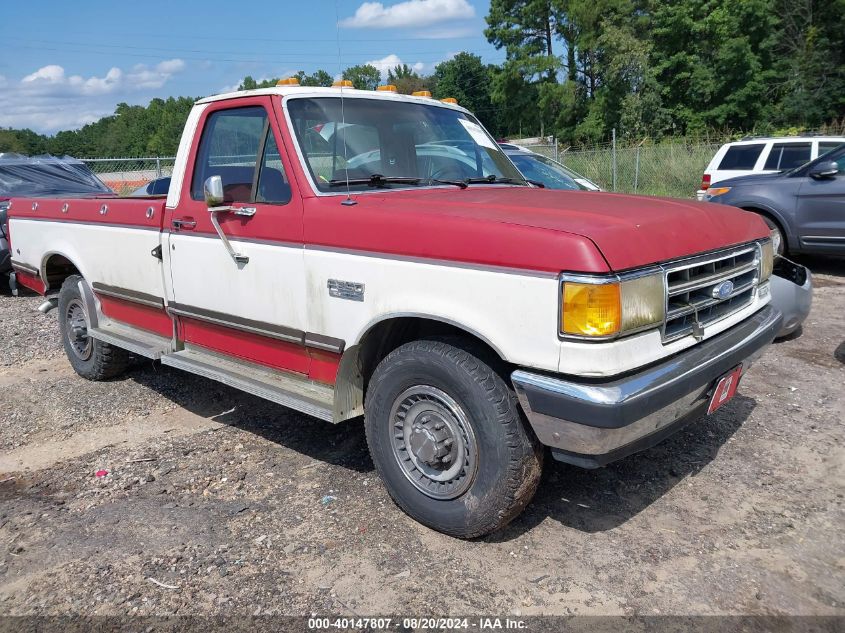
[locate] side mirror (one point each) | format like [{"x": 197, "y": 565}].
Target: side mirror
[
  {"x": 213, "y": 191},
  {"x": 825, "y": 169}
]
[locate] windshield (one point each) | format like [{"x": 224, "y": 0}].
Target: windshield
[
  {"x": 545, "y": 170},
  {"x": 393, "y": 139}
]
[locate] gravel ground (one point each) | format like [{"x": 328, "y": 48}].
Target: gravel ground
[{"x": 216, "y": 502}]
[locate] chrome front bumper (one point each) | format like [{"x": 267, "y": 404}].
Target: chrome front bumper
[{"x": 591, "y": 423}]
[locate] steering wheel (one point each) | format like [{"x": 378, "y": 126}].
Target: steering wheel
[{"x": 448, "y": 172}]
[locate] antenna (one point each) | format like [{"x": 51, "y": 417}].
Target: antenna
[{"x": 348, "y": 202}]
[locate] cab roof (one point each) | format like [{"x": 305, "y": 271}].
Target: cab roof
[{"x": 315, "y": 91}]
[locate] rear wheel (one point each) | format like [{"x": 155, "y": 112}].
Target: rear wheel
[
  {"x": 90, "y": 358},
  {"x": 448, "y": 440}
]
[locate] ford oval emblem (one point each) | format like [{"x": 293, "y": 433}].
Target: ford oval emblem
[{"x": 723, "y": 290}]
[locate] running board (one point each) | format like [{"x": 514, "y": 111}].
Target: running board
[
  {"x": 288, "y": 389},
  {"x": 132, "y": 339}
]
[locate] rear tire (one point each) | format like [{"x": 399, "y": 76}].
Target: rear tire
[
  {"x": 448, "y": 440},
  {"x": 90, "y": 358}
]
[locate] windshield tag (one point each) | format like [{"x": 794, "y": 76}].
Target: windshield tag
[{"x": 477, "y": 133}]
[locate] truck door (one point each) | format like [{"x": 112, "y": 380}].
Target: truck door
[{"x": 245, "y": 298}]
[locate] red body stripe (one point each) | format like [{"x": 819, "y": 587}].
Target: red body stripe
[
  {"x": 127, "y": 212},
  {"x": 140, "y": 316},
  {"x": 323, "y": 366},
  {"x": 319, "y": 366},
  {"x": 30, "y": 281}
]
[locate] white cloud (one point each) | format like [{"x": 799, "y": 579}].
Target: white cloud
[
  {"x": 411, "y": 13},
  {"x": 170, "y": 66},
  {"x": 392, "y": 61},
  {"x": 48, "y": 99}
]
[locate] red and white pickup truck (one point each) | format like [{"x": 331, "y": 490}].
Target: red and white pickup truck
[{"x": 349, "y": 253}]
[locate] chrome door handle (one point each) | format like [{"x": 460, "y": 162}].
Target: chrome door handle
[{"x": 184, "y": 224}]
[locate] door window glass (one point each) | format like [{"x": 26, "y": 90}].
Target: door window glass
[
  {"x": 788, "y": 156},
  {"x": 273, "y": 187},
  {"x": 741, "y": 156},
  {"x": 229, "y": 148},
  {"x": 826, "y": 146}
]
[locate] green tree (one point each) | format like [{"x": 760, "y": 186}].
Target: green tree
[
  {"x": 407, "y": 80},
  {"x": 810, "y": 62},
  {"x": 467, "y": 79},
  {"x": 363, "y": 76},
  {"x": 319, "y": 78}
]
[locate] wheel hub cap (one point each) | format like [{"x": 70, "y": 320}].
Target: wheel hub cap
[
  {"x": 76, "y": 325},
  {"x": 433, "y": 442}
]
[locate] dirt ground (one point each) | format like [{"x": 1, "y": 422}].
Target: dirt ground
[{"x": 217, "y": 502}]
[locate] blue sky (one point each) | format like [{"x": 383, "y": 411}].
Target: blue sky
[{"x": 64, "y": 64}]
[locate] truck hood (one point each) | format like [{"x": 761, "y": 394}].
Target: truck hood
[{"x": 629, "y": 231}]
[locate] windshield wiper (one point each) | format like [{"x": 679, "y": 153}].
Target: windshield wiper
[
  {"x": 457, "y": 183},
  {"x": 492, "y": 178},
  {"x": 377, "y": 180}
]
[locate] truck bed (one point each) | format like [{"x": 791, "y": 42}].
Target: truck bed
[
  {"x": 115, "y": 211},
  {"x": 110, "y": 235}
]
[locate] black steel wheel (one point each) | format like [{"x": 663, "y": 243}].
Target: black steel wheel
[
  {"x": 90, "y": 358},
  {"x": 448, "y": 439}
]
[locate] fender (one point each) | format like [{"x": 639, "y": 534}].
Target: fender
[
  {"x": 763, "y": 205},
  {"x": 429, "y": 317},
  {"x": 349, "y": 384}
]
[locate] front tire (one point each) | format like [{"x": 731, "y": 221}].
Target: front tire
[
  {"x": 777, "y": 236},
  {"x": 90, "y": 358},
  {"x": 447, "y": 438}
]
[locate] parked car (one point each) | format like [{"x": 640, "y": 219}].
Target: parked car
[
  {"x": 40, "y": 176},
  {"x": 804, "y": 207},
  {"x": 470, "y": 322},
  {"x": 157, "y": 187},
  {"x": 542, "y": 169},
  {"x": 762, "y": 155}
]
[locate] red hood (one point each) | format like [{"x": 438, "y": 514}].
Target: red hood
[{"x": 545, "y": 229}]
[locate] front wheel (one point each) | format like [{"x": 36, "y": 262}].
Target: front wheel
[
  {"x": 448, "y": 440},
  {"x": 778, "y": 241},
  {"x": 90, "y": 358}
]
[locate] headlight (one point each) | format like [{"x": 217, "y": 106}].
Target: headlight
[
  {"x": 712, "y": 192},
  {"x": 768, "y": 259},
  {"x": 605, "y": 307}
]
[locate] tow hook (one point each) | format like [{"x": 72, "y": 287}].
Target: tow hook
[{"x": 48, "y": 305}]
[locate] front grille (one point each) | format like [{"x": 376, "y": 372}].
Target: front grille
[{"x": 691, "y": 285}]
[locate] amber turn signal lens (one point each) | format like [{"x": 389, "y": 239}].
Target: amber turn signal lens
[{"x": 591, "y": 309}]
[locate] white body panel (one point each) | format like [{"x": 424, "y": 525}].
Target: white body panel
[
  {"x": 112, "y": 255},
  {"x": 515, "y": 313},
  {"x": 270, "y": 288}
]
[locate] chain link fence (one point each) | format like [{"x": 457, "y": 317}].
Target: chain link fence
[
  {"x": 125, "y": 175},
  {"x": 670, "y": 168}
]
